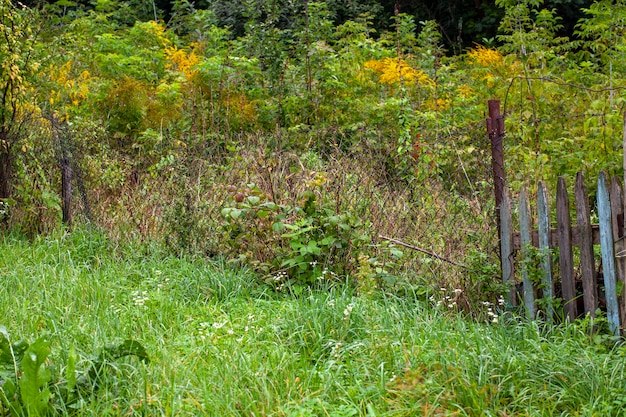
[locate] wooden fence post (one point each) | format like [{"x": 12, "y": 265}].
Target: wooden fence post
[
  {"x": 608, "y": 254},
  {"x": 587, "y": 263},
  {"x": 66, "y": 189},
  {"x": 543, "y": 226},
  {"x": 495, "y": 130}
]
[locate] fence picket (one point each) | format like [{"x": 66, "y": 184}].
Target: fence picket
[
  {"x": 566, "y": 258},
  {"x": 506, "y": 246},
  {"x": 524, "y": 223},
  {"x": 587, "y": 263},
  {"x": 609, "y": 234},
  {"x": 617, "y": 222},
  {"x": 608, "y": 254},
  {"x": 543, "y": 226}
]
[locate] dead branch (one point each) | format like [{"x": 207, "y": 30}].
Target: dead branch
[{"x": 429, "y": 253}]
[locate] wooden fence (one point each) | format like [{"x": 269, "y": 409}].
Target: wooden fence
[{"x": 585, "y": 286}]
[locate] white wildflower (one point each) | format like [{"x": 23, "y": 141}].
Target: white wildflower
[
  {"x": 140, "y": 297},
  {"x": 348, "y": 310},
  {"x": 217, "y": 325}
]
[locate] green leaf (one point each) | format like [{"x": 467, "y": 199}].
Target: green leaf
[
  {"x": 5, "y": 347},
  {"x": 65, "y": 3},
  {"x": 33, "y": 384},
  {"x": 327, "y": 241},
  {"x": 313, "y": 248},
  {"x": 226, "y": 212},
  {"x": 253, "y": 199},
  {"x": 291, "y": 227},
  {"x": 278, "y": 227},
  {"x": 298, "y": 231},
  {"x": 296, "y": 246},
  {"x": 51, "y": 200},
  {"x": 8, "y": 391},
  {"x": 70, "y": 370},
  {"x": 269, "y": 205},
  {"x": 291, "y": 262},
  {"x": 127, "y": 348}
]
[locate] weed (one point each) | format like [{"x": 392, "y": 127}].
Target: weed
[
  {"x": 29, "y": 387},
  {"x": 221, "y": 344}
]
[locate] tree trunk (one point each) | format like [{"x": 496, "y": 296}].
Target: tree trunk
[{"x": 5, "y": 171}]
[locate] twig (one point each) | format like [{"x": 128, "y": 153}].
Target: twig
[
  {"x": 558, "y": 82},
  {"x": 429, "y": 253}
]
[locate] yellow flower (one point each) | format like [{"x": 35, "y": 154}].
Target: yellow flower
[
  {"x": 157, "y": 30},
  {"x": 485, "y": 56},
  {"x": 76, "y": 89},
  {"x": 439, "y": 105},
  {"x": 182, "y": 61},
  {"x": 393, "y": 70},
  {"x": 465, "y": 91}
]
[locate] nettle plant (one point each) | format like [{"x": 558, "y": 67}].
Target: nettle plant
[{"x": 295, "y": 246}]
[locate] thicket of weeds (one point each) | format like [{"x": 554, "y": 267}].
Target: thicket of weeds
[
  {"x": 303, "y": 217},
  {"x": 133, "y": 330}
]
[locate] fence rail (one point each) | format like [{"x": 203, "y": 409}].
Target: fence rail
[{"x": 597, "y": 282}]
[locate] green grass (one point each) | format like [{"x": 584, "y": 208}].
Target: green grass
[{"x": 220, "y": 344}]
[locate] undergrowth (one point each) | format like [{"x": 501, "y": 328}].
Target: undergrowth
[{"x": 222, "y": 342}]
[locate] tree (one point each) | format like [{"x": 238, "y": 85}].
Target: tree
[{"x": 16, "y": 46}]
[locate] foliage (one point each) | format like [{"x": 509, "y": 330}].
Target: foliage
[
  {"x": 27, "y": 386},
  {"x": 297, "y": 246},
  {"x": 27, "y": 391},
  {"x": 221, "y": 344},
  {"x": 161, "y": 118},
  {"x": 17, "y": 34}
]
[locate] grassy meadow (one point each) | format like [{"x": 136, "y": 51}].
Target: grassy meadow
[{"x": 221, "y": 343}]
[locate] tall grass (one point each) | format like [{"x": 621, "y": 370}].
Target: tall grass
[{"x": 221, "y": 344}]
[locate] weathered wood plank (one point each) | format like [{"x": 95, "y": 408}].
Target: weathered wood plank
[
  {"x": 617, "y": 225},
  {"x": 543, "y": 230},
  {"x": 617, "y": 208},
  {"x": 566, "y": 259},
  {"x": 623, "y": 297},
  {"x": 587, "y": 262},
  {"x": 524, "y": 227},
  {"x": 608, "y": 254},
  {"x": 506, "y": 247},
  {"x": 495, "y": 130},
  {"x": 553, "y": 237}
]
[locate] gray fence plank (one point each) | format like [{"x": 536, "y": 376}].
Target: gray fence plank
[
  {"x": 617, "y": 225},
  {"x": 566, "y": 258},
  {"x": 506, "y": 247},
  {"x": 524, "y": 223},
  {"x": 608, "y": 254},
  {"x": 543, "y": 226},
  {"x": 587, "y": 262}
]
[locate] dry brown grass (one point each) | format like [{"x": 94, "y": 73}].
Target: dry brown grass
[{"x": 192, "y": 194}]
